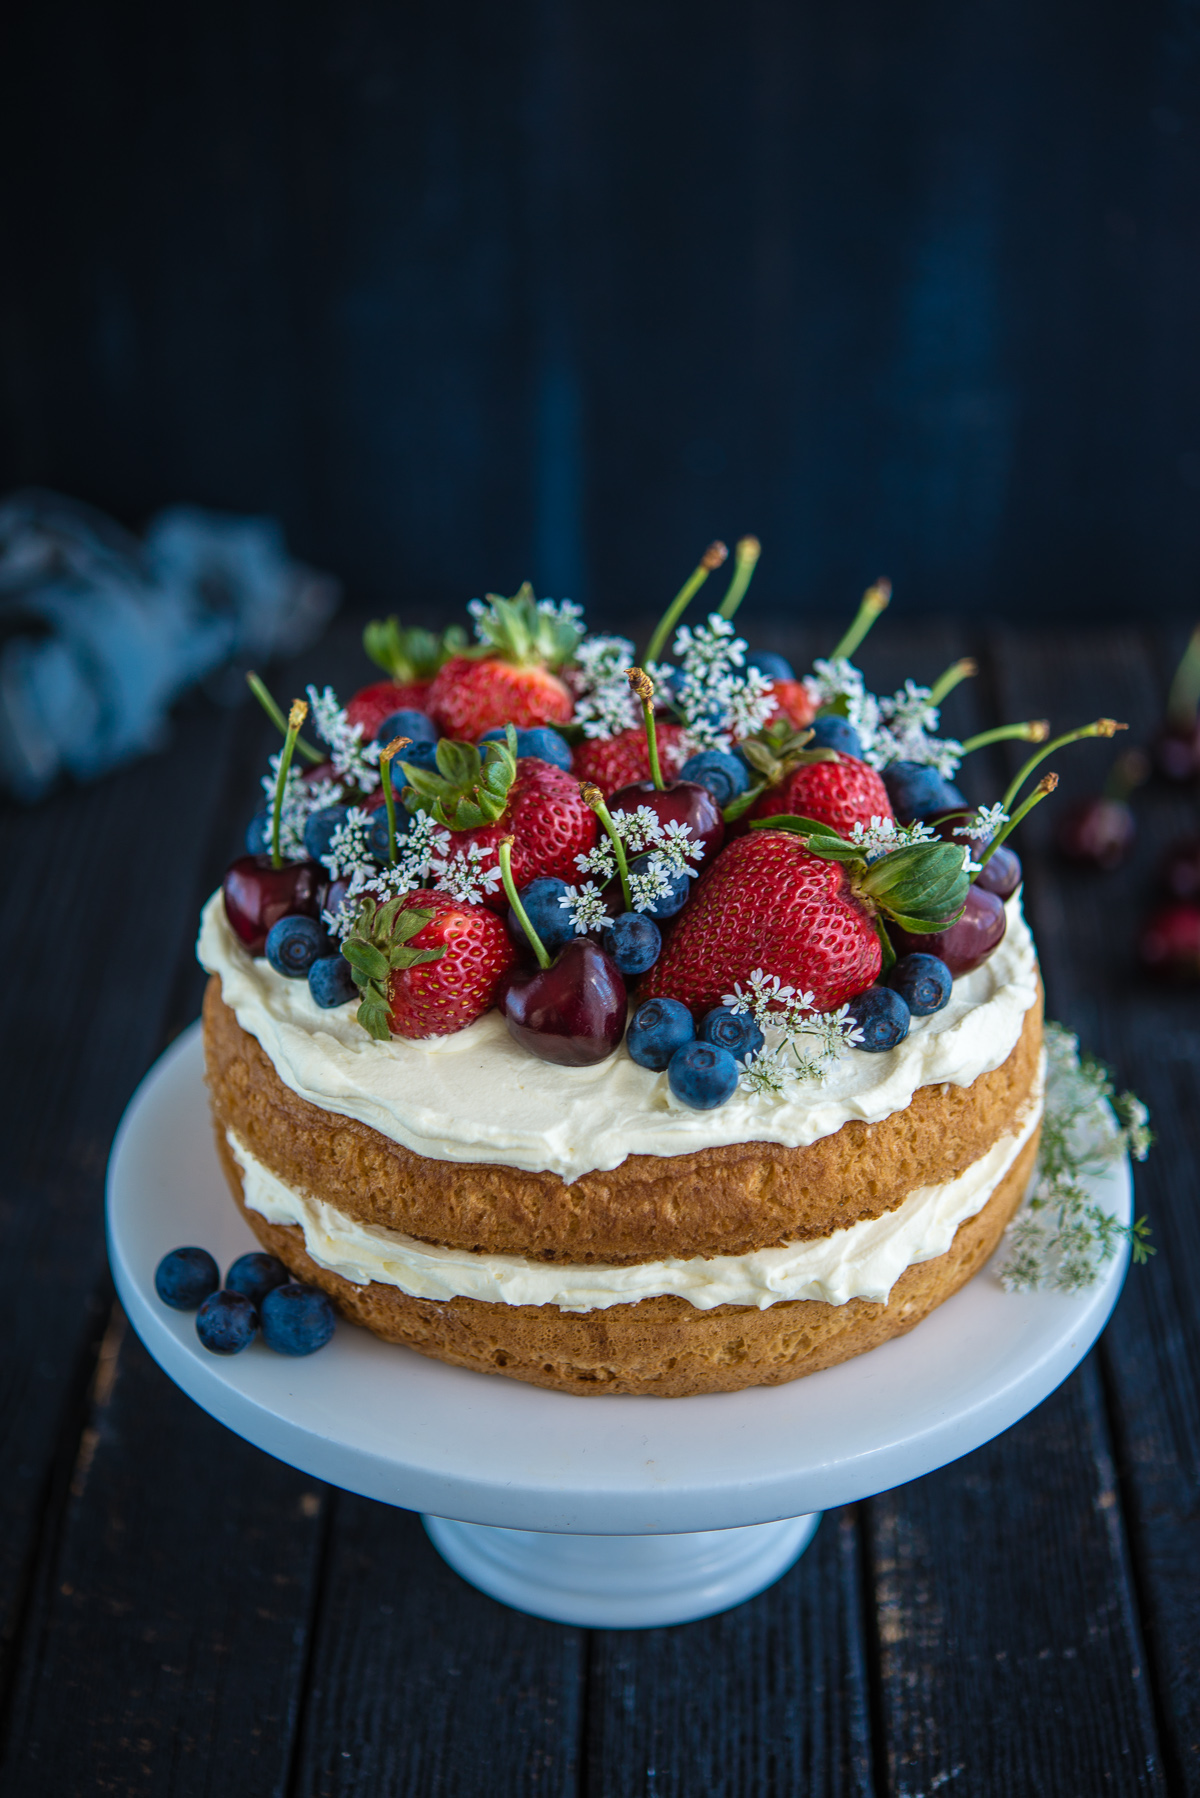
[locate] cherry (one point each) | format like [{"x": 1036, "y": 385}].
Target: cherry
[
  {"x": 1097, "y": 830},
  {"x": 679, "y": 802},
  {"x": 572, "y": 1012},
  {"x": 964, "y": 944},
  {"x": 1169, "y": 943},
  {"x": 1177, "y": 751},
  {"x": 257, "y": 895},
  {"x": 1001, "y": 872},
  {"x": 1180, "y": 871}
]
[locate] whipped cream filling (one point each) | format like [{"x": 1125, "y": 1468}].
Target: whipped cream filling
[
  {"x": 863, "y": 1261},
  {"x": 477, "y": 1096}
]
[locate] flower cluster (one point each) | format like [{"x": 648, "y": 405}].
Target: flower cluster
[
  {"x": 839, "y": 687},
  {"x": 420, "y": 854},
  {"x": 350, "y": 850},
  {"x": 301, "y": 798},
  {"x": 604, "y": 704},
  {"x": 984, "y": 823},
  {"x": 802, "y": 1042},
  {"x": 669, "y": 849},
  {"x": 1062, "y": 1238},
  {"x": 463, "y": 875},
  {"x": 719, "y": 699},
  {"x": 882, "y": 835},
  {"x": 356, "y": 762}
]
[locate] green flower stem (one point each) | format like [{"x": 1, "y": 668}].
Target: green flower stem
[
  {"x": 1042, "y": 791},
  {"x": 643, "y": 688},
  {"x": 1035, "y": 730},
  {"x": 712, "y": 558},
  {"x": 746, "y": 552},
  {"x": 873, "y": 602},
  {"x": 389, "y": 797},
  {"x": 296, "y": 717},
  {"x": 260, "y": 692},
  {"x": 535, "y": 941},
  {"x": 593, "y": 797},
  {"x": 946, "y": 683},
  {"x": 1102, "y": 727},
  {"x": 1184, "y": 697}
]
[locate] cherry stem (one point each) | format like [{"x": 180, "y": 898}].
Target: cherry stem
[
  {"x": 746, "y": 552},
  {"x": 1042, "y": 791},
  {"x": 1184, "y": 697},
  {"x": 513, "y": 897},
  {"x": 593, "y": 797},
  {"x": 295, "y": 719},
  {"x": 643, "y": 689},
  {"x": 1102, "y": 727},
  {"x": 873, "y": 602},
  {"x": 389, "y": 797},
  {"x": 946, "y": 683},
  {"x": 260, "y": 692},
  {"x": 1035, "y": 730},
  {"x": 712, "y": 558}
]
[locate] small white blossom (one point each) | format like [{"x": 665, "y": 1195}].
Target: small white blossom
[
  {"x": 650, "y": 884},
  {"x": 301, "y": 798},
  {"x": 802, "y": 1042},
  {"x": 882, "y": 835},
  {"x": 720, "y": 700},
  {"x": 463, "y": 876},
  {"x": 985, "y": 823},
  {"x": 586, "y": 907},
  {"x": 765, "y": 1073},
  {"x": 840, "y": 686},
  {"x": 357, "y": 762},
  {"x": 604, "y": 704},
  {"x": 670, "y": 847},
  {"x": 424, "y": 843},
  {"x": 350, "y": 845}
]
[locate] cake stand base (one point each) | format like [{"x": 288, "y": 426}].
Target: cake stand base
[{"x": 622, "y": 1582}]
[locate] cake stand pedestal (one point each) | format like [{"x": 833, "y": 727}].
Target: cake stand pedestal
[{"x": 612, "y": 1512}]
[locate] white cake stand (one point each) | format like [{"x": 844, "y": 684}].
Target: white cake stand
[{"x": 607, "y": 1511}]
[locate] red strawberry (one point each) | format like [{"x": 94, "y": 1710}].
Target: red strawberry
[
  {"x": 426, "y": 964},
  {"x": 467, "y": 698},
  {"x": 614, "y": 762},
  {"x": 371, "y": 705},
  {"x": 767, "y": 903},
  {"x": 792, "y": 702},
  {"x": 841, "y": 794}
]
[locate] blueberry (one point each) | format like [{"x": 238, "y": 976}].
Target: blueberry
[
  {"x": 407, "y": 724},
  {"x": 296, "y": 1320},
  {"x": 377, "y": 835},
  {"x": 883, "y": 1018},
  {"x": 832, "y": 732},
  {"x": 546, "y": 745},
  {"x": 676, "y": 895},
  {"x": 330, "y": 981},
  {"x": 255, "y": 1275},
  {"x": 923, "y": 982},
  {"x": 226, "y": 1323},
  {"x": 735, "y": 1031},
  {"x": 258, "y": 833},
  {"x": 318, "y": 831},
  {"x": 702, "y": 1076},
  {"x": 770, "y": 665},
  {"x": 724, "y": 775},
  {"x": 420, "y": 755},
  {"x": 657, "y": 1029},
  {"x": 916, "y": 790},
  {"x": 294, "y": 944},
  {"x": 184, "y": 1278},
  {"x": 551, "y": 920},
  {"x": 633, "y": 941}
]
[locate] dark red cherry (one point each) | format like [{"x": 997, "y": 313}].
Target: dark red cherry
[
  {"x": 1001, "y": 872},
  {"x": 962, "y": 945},
  {"x": 1180, "y": 870},
  {"x": 572, "y": 1012},
  {"x": 1169, "y": 943},
  {"x": 258, "y": 895},
  {"x": 1177, "y": 751},
  {"x": 680, "y": 802},
  {"x": 1098, "y": 830}
]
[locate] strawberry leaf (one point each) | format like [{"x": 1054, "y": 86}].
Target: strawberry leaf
[
  {"x": 920, "y": 885},
  {"x": 410, "y": 655},
  {"x": 378, "y": 943},
  {"x": 467, "y": 788}
]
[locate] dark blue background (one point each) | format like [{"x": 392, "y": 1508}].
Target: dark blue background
[{"x": 466, "y": 292}]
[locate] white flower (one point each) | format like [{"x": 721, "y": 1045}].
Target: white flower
[
  {"x": 604, "y": 705},
  {"x": 301, "y": 798},
  {"x": 882, "y": 835},
  {"x": 463, "y": 876},
  {"x": 424, "y": 843},
  {"x": 985, "y": 823},
  {"x": 350, "y": 845},
  {"x": 357, "y": 762},
  {"x": 586, "y": 907},
  {"x": 719, "y": 699},
  {"x": 840, "y": 687}
]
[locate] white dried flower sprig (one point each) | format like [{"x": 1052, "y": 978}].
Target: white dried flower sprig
[
  {"x": 424, "y": 846},
  {"x": 604, "y": 705},
  {"x": 301, "y": 798},
  {"x": 720, "y": 700},
  {"x": 882, "y": 835},
  {"x": 671, "y": 849},
  {"x": 803, "y": 1043},
  {"x": 840, "y": 687},
  {"x": 907, "y": 732},
  {"x": 463, "y": 875},
  {"x": 1062, "y": 1238},
  {"x": 985, "y": 822},
  {"x": 356, "y": 762},
  {"x": 350, "y": 849}
]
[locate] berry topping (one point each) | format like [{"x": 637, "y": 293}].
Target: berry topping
[
  {"x": 257, "y": 895},
  {"x": 674, "y": 888},
  {"x": 319, "y": 830},
  {"x": 923, "y": 982},
  {"x": 829, "y": 731},
  {"x": 633, "y": 941},
  {"x": 732, "y": 1030},
  {"x": 373, "y": 706},
  {"x": 425, "y": 964},
  {"x": 882, "y": 1018},
  {"x": 414, "y": 725},
  {"x": 657, "y": 1029},
  {"x": 297, "y": 1320},
  {"x": 294, "y": 944},
  {"x": 720, "y": 772},
  {"x": 915, "y": 790},
  {"x": 258, "y": 833},
  {"x": 550, "y": 919},
  {"x": 226, "y": 1323},
  {"x": 611, "y": 763},
  {"x": 544, "y": 744},
  {"x": 1001, "y": 873},
  {"x": 702, "y": 1076},
  {"x": 523, "y": 640},
  {"x": 839, "y": 793},
  {"x": 569, "y": 1009},
  {"x": 771, "y": 666},
  {"x": 330, "y": 981},
  {"x": 967, "y": 942},
  {"x": 255, "y": 1275},
  {"x": 185, "y": 1278}
]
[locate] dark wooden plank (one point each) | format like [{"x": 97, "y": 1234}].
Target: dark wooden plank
[
  {"x": 768, "y": 1699},
  {"x": 422, "y": 1686}
]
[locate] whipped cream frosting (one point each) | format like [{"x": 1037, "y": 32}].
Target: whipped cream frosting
[
  {"x": 863, "y": 1261},
  {"x": 477, "y": 1096}
]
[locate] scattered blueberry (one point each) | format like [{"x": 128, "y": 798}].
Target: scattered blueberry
[
  {"x": 633, "y": 940},
  {"x": 542, "y": 742},
  {"x": 377, "y": 836},
  {"x": 883, "y": 1018},
  {"x": 407, "y": 724},
  {"x": 330, "y": 981},
  {"x": 657, "y": 1029},
  {"x": 735, "y": 1031},
  {"x": 258, "y": 833},
  {"x": 923, "y": 982},
  {"x": 702, "y": 1076},
  {"x": 676, "y": 895},
  {"x": 294, "y": 944},
  {"x": 770, "y": 665},
  {"x": 226, "y": 1323},
  {"x": 421, "y": 755},
  {"x": 318, "y": 832},
  {"x": 725, "y": 775},
  {"x": 297, "y": 1320},
  {"x": 255, "y": 1275},
  {"x": 551, "y": 920},
  {"x": 832, "y": 732},
  {"x": 915, "y": 790},
  {"x": 184, "y": 1278}
]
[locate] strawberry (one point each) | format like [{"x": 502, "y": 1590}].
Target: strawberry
[
  {"x": 614, "y": 762},
  {"x": 511, "y": 679},
  {"x": 840, "y": 793},
  {"x": 426, "y": 964},
  {"x": 793, "y": 703},
  {"x": 371, "y": 705}
]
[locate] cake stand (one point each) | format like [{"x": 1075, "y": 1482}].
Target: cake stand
[{"x": 608, "y": 1511}]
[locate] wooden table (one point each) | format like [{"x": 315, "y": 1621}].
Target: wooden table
[{"x": 182, "y": 1615}]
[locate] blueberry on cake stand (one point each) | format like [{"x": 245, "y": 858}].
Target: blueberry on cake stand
[{"x": 612, "y": 1512}]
